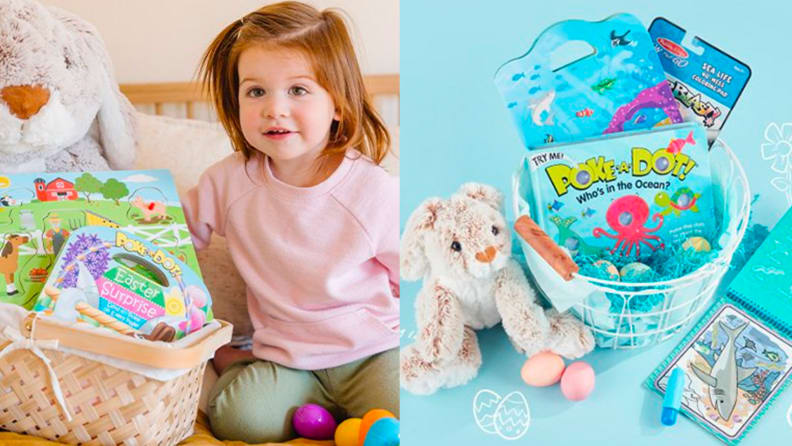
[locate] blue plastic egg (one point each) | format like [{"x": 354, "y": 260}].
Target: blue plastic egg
[
  {"x": 635, "y": 272},
  {"x": 384, "y": 432}
]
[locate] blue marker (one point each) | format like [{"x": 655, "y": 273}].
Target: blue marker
[{"x": 672, "y": 401}]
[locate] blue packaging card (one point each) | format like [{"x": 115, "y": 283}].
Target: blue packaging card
[
  {"x": 642, "y": 190},
  {"x": 619, "y": 86},
  {"x": 704, "y": 80}
]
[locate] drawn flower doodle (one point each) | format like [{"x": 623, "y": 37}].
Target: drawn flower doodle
[
  {"x": 778, "y": 146},
  {"x": 778, "y": 149},
  {"x": 789, "y": 416}
]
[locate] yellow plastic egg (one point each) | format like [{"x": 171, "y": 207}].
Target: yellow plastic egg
[
  {"x": 542, "y": 369},
  {"x": 698, "y": 244},
  {"x": 346, "y": 433},
  {"x": 609, "y": 268}
]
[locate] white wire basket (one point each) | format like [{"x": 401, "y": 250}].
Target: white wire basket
[{"x": 605, "y": 305}]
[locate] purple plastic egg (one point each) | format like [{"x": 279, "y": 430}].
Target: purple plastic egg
[{"x": 314, "y": 422}]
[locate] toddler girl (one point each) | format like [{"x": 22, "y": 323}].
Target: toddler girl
[{"x": 311, "y": 222}]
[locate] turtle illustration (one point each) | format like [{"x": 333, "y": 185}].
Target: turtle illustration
[{"x": 683, "y": 199}]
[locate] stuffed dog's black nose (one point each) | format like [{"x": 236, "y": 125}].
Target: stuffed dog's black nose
[{"x": 25, "y": 101}]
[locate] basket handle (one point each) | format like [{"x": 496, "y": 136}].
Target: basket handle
[
  {"x": 546, "y": 247},
  {"x": 152, "y": 354}
]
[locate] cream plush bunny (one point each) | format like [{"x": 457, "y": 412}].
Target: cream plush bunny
[
  {"x": 60, "y": 107},
  {"x": 461, "y": 248}
]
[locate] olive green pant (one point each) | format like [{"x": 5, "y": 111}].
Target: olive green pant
[{"x": 254, "y": 400}]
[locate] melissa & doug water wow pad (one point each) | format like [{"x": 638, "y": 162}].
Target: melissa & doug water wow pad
[{"x": 705, "y": 80}]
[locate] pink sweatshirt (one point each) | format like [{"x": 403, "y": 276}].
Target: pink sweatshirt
[{"x": 321, "y": 263}]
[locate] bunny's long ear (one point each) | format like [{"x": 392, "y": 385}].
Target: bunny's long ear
[
  {"x": 413, "y": 263},
  {"x": 116, "y": 116},
  {"x": 484, "y": 193},
  {"x": 116, "y": 119}
]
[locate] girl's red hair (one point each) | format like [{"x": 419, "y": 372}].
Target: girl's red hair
[{"x": 323, "y": 38}]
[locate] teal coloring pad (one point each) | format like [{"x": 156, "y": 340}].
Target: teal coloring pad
[
  {"x": 738, "y": 356},
  {"x": 631, "y": 193},
  {"x": 619, "y": 85},
  {"x": 705, "y": 80}
]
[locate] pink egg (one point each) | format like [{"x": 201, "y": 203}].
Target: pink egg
[
  {"x": 197, "y": 295},
  {"x": 577, "y": 382},
  {"x": 314, "y": 421},
  {"x": 542, "y": 369}
]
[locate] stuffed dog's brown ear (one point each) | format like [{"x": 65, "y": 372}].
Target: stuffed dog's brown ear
[
  {"x": 484, "y": 193},
  {"x": 413, "y": 263}
]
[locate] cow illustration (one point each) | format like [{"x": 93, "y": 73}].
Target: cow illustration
[{"x": 6, "y": 201}]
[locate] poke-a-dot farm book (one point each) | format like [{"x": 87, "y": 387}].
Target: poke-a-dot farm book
[{"x": 38, "y": 212}]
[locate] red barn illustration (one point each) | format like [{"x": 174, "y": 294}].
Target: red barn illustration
[{"x": 56, "y": 190}]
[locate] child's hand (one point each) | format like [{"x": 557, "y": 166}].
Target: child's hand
[{"x": 226, "y": 355}]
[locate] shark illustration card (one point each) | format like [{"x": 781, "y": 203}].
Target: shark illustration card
[
  {"x": 581, "y": 79},
  {"x": 734, "y": 364}
]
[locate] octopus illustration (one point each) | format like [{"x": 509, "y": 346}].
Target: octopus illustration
[{"x": 627, "y": 216}]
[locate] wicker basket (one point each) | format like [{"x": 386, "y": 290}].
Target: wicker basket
[
  {"x": 682, "y": 299},
  {"x": 106, "y": 405}
]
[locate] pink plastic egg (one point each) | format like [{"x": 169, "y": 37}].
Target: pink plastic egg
[
  {"x": 577, "y": 382},
  {"x": 314, "y": 421},
  {"x": 542, "y": 369}
]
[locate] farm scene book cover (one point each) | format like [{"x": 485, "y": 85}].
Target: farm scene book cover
[{"x": 38, "y": 212}]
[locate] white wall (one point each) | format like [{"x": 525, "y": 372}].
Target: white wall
[{"x": 163, "y": 40}]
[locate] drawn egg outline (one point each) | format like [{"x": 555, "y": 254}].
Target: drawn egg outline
[
  {"x": 479, "y": 415},
  {"x": 526, "y": 419}
]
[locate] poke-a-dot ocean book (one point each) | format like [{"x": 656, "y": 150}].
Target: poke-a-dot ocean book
[
  {"x": 39, "y": 211},
  {"x": 738, "y": 357},
  {"x": 628, "y": 194}
]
